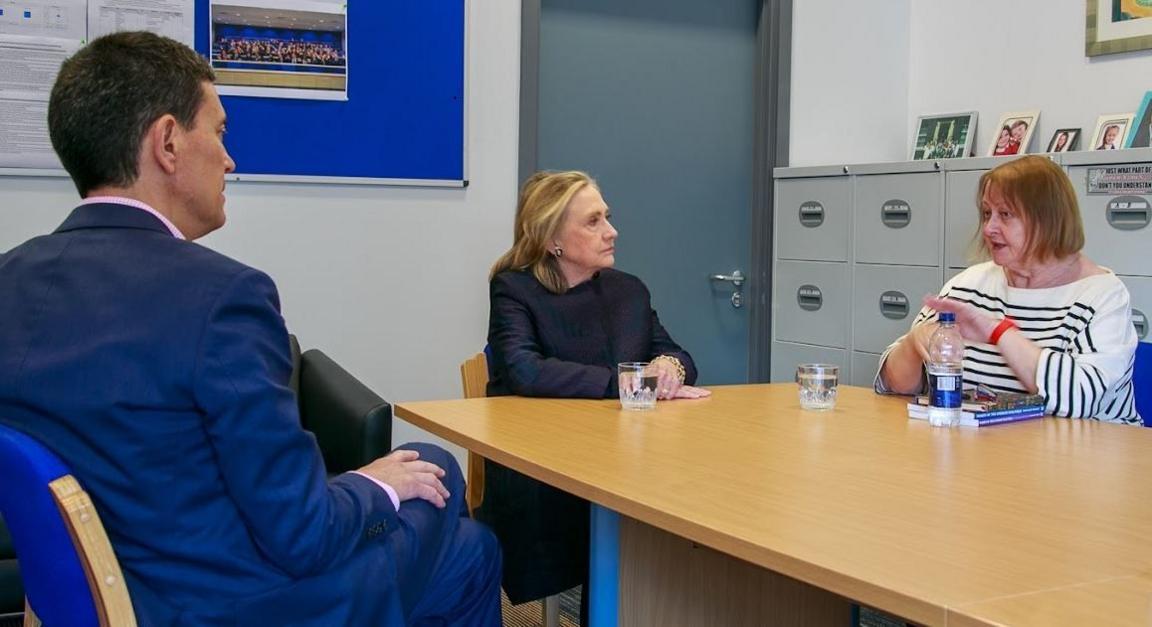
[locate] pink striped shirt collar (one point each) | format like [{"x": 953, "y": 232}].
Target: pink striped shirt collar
[{"x": 132, "y": 202}]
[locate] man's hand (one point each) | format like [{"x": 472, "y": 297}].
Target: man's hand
[{"x": 410, "y": 477}]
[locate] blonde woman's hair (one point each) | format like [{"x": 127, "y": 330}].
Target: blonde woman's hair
[
  {"x": 1040, "y": 191},
  {"x": 540, "y": 211}
]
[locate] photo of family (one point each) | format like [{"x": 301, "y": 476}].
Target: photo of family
[
  {"x": 1111, "y": 130},
  {"x": 1013, "y": 133},
  {"x": 1064, "y": 140}
]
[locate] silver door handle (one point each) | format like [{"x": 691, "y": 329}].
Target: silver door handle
[{"x": 737, "y": 278}]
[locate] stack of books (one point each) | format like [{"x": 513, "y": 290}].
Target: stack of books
[{"x": 982, "y": 407}]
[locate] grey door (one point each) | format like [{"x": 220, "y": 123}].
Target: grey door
[{"x": 655, "y": 99}]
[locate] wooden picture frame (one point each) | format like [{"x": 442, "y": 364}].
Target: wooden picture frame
[
  {"x": 943, "y": 136},
  {"x": 1013, "y": 133},
  {"x": 1104, "y": 137},
  {"x": 1114, "y": 26}
]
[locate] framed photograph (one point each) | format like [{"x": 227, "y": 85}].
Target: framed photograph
[
  {"x": 1117, "y": 26},
  {"x": 280, "y": 48},
  {"x": 1013, "y": 133},
  {"x": 944, "y": 136},
  {"x": 1110, "y": 131},
  {"x": 1141, "y": 131},
  {"x": 1064, "y": 140}
]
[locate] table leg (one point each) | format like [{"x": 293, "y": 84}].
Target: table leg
[{"x": 604, "y": 567}]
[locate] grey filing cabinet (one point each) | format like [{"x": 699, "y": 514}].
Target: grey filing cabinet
[
  {"x": 898, "y": 211},
  {"x": 811, "y": 286},
  {"x": 1118, "y": 226},
  {"x": 812, "y": 215},
  {"x": 885, "y": 300}
]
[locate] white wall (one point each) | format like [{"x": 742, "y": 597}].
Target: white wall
[
  {"x": 390, "y": 282},
  {"x": 1032, "y": 60},
  {"x": 862, "y": 74},
  {"x": 849, "y": 82}
]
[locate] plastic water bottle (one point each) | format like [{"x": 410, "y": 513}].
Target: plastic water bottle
[{"x": 945, "y": 373}]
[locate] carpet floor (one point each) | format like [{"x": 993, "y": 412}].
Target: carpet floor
[{"x": 531, "y": 614}]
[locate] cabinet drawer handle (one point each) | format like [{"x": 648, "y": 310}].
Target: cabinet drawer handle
[
  {"x": 1140, "y": 321},
  {"x": 811, "y": 214},
  {"x": 809, "y": 297},
  {"x": 1129, "y": 213},
  {"x": 895, "y": 213},
  {"x": 894, "y": 305}
]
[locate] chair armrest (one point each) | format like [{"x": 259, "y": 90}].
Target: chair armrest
[
  {"x": 352, "y": 424},
  {"x": 294, "y": 349}
]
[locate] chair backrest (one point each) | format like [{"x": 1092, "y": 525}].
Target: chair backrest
[
  {"x": 1142, "y": 381},
  {"x": 70, "y": 573},
  {"x": 474, "y": 379},
  {"x": 474, "y": 376},
  {"x": 352, "y": 424}
]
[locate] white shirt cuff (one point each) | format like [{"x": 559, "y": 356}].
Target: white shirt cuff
[{"x": 387, "y": 488}]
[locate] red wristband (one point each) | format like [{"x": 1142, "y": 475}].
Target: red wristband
[{"x": 1004, "y": 325}]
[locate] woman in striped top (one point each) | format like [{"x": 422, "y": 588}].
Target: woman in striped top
[{"x": 1040, "y": 316}]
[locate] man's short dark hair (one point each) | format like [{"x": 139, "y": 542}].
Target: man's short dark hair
[{"x": 109, "y": 93}]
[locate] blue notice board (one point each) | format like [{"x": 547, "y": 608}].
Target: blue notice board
[{"x": 404, "y": 117}]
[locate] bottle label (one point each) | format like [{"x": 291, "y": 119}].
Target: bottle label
[{"x": 946, "y": 390}]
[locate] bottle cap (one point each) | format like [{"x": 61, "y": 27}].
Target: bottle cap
[{"x": 947, "y": 316}]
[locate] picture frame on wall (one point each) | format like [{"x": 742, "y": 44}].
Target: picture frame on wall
[
  {"x": 1013, "y": 133},
  {"x": 944, "y": 136},
  {"x": 1141, "y": 133},
  {"x": 1111, "y": 129},
  {"x": 1117, "y": 26},
  {"x": 1064, "y": 140}
]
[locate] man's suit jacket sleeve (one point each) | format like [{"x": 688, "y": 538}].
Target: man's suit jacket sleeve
[{"x": 272, "y": 467}]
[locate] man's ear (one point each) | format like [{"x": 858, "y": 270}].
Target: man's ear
[{"x": 162, "y": 142}]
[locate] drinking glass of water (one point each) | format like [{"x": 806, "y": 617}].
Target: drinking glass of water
[
  {"x": 637, "y": 385},
  {"x": 817, "y": 385}
]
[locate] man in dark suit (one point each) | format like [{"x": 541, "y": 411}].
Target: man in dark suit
[{"x": 158, "y": 369}]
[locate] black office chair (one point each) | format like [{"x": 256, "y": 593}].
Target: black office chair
[{"x": 352, "y": 424}]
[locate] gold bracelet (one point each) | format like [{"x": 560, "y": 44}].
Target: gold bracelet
[{"x": 675, "y": 362}]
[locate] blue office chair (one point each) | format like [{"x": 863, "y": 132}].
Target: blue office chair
[
  {"x": 71, "y": 576},
  {"x": 1142, "y": 381}
]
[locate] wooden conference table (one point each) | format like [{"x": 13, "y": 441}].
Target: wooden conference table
[{"x": 1044, "y": 522}]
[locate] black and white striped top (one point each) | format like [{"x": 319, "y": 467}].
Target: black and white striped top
[{"x": 1084, "y": 330}]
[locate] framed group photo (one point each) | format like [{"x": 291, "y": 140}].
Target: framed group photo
[
  {"x": 1111, "y": 129},
  {"x": 1064, "y": 140},
  {"x": 944, "y": 136},
  {"x": 1013, "y": 133}
]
